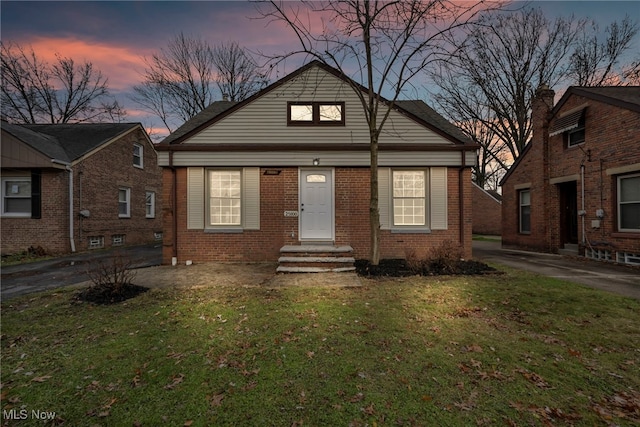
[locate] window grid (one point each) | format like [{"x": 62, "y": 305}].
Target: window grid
[
  {"x": 629, "y": 203},
  {"x": 524, "y": 206},
  {"x": 16, "y": 196},
  {"x": 117, "y": 240},
  {"x": 409, "y": 202},
  {"x": 96, "y": 242},
  {"x": 124, "y": 202},
  {"x": 138, "y": 156},
  {"x": 150, "y": 204},
  {"x": 225, "y": 206}
]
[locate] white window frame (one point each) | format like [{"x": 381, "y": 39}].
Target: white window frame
[
  {"x": 138, "y": 158},
  {"x": 236, "y": 197},
  {"x": 150, "y": 204},
  {"x": 6, "y": 196},
  {"x": 395, "y": 199},
  {"x": 620, "y": 203},
  {"x": 126, "y": 201},
  {"x": 520, "y": 206}
]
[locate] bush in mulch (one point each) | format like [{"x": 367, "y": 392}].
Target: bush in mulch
[
  {"x": 400, "y": 268},
  {"x": 444, "y": 259},
  {"x": 110, "y": 294},
  {"x": 112, "y": 282}
]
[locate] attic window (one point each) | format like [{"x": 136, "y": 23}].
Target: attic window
[
  {"x": 138, "y": 156},
  {"x": 315, "y": 113}
]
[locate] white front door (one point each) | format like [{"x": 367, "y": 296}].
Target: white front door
[{"x": 316, "y": 204}]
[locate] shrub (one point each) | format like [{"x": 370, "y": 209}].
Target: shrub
[{"x": 112, "y": 280}]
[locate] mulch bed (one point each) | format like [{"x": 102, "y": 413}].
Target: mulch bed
[
  {"x": 399, "y": 268},
  {"x": 109, "y": 294}
]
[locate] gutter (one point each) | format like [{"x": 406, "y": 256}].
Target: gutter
[
  {"x": 68, "y": 168},
  {"x": 174, "y": 201}
]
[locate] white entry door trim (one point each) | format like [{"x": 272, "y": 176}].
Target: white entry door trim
[{"x": 316, "y": 195}]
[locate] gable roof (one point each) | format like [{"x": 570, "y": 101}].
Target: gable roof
[
  {"x": 627, "y": 97},
  {"x": 67, "y": 142},
  {"x": 417, "y": 110}
]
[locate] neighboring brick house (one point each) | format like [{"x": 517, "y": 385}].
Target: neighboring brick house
[
  {"x": 74, "y": 187},
  {"x": 577, "y": 184},
  {"x": 286, "y": 172},
  {"x": 487, "y": 211}
]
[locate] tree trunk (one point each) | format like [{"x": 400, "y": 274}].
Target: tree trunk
[{"x": 374, "y": 211}]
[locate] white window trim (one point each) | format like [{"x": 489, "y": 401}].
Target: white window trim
[
  {"x": 6, "y": 214},
  {"x": 520, "y": 205},
  {"x": 152, "y": 204},
  {"x": 141, "y": 156},
  {"x": 128, "y": 201},
  {"x": 207, "y": 220},
  {"x": 619, "y": 203},
  {"x": 409, "y": 227}
]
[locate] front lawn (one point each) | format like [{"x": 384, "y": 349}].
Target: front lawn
[{"x": 513, "y": 349}]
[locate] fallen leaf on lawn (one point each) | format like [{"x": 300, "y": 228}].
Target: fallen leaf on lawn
[
  {"x": 176, "y": 381},
  {"x": 216, "y": 400},
  {"x": 533, "y": 378},
  {"x": 427, "y": 398},
  {"x": 41, "y": 379},
  {"x": 188, "y": 423},
  {"x": 356, "y": 398}
]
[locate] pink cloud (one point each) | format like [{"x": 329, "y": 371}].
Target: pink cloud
[{"x": 121, "y": 64}]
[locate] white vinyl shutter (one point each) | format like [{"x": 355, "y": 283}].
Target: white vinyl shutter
[
  {"x": 195, "y": 198},
  {"x": 251, "y": 199},
  {"x": 438, "y": 198},
  {"x": 384, "y": 196}
]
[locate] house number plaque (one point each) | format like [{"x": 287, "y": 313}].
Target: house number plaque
[{"x": 288, "y": 214}]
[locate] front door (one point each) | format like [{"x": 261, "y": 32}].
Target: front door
[{"x": 316, "y": 204}]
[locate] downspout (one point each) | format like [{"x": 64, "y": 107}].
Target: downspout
[
  {"x": 583, "y": 212},
  {"x": 461, "y": 195},
  {"x": 68, "y": 168},
  {"x": 174, "y": 201}
]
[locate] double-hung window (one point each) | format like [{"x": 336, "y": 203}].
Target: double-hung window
[
  {"x": 409, "y": 198},
  {"x": 150, "y": 204},
  {"x": 138, "y": 156},
  {"x": 524, "y": 211},
  {"x": 629, "y": 203},
  {"x": 225, "y": 198},
  {"x": 16, "y": 196},
  {"x": 124, "y": 202}
]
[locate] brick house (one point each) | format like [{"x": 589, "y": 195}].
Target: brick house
[
  {"x": 74, "y": 187},
  {"x": 487, "y": 211},
  {"x": 576, "y": 186},
  {"x": 284, "y": 175}
]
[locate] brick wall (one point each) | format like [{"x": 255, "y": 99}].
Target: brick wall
[
  {"x": 51, "y": 231},
  {"x": 612, "y": 140},
  {"x": 487, "y": 212},
  {"x": 280, "y": 193},
  {"x": 96, "y": 182}
]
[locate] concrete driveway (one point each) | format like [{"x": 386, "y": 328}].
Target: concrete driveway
[{"x": 600, "y": 275}]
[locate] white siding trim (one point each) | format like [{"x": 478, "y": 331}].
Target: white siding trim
[
  {"x": 438, "y": 198},
  {"x": 251, "y": 199},
  {"x": 195, "y": 198}
]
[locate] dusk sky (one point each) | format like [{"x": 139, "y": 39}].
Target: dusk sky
[{"x": 116, "y": 35}]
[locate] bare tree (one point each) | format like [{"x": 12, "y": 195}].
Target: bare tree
[
  {"x": 387, "y": 43},
  {"x": 34, "y": 91},
  {"x": 596, "y": 60},
  {"x": 181, "y": 80},
  {"x": 492, "y": 78},
  {"x": 239, "y": 76}
]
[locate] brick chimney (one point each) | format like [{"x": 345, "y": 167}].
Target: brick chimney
[{"x": 541, "y": 107}]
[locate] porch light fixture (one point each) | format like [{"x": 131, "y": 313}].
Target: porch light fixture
[{"x": 316, "y": 161}]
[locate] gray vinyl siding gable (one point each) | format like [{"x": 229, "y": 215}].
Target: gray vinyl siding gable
[{"x": 264, "y": 120}]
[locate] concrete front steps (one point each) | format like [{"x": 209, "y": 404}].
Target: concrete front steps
[{"x": 315, "y": 259}]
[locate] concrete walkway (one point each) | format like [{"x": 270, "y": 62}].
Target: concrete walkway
[{"x": 620, "y": 279}]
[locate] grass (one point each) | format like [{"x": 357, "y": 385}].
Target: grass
[{"x": 513, "y": 349}]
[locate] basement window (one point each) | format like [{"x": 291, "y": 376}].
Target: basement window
[{"x": 96, "y": 242}]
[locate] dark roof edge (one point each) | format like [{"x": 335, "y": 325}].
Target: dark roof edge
[{"x": 585, "y": 91}]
